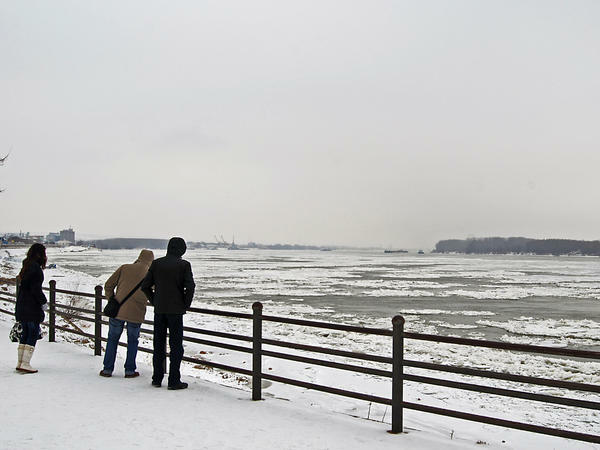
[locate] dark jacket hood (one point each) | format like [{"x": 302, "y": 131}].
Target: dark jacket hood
[{"x": 176, "y": 247}]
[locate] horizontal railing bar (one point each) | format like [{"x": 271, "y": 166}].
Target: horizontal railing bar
[
  {"x": 10, "y": 313},
  {"x": 147, "y": 350},
  {"x": 71, "y": 330},
  {"x": 8, "y": 299},
  {"x": 329, "y": 390},
  {"x": 503, "y": 376},
  {"x": 328, "y": 351},
  {"x": 476, "y": 388},
  {"x": 74, "y": 316},
  {"x": 142, "y": 330},
  {"x": 216, "y": 312},
  {"x": 141, "y": 349},
  {"x": 197, "y": 361},
  {"x": 504, "y": 392},
  {"x": 332, "y": 364},
  {"x": 103, "y": 321},
  {"x": 218, "y": 365},
  {"x": 236, "y": 348},
  {"x": 238, "y": 337},
  {"x": 384, "y": 332},
  {"x": 329, "y": 326},
  {"x": 201, "y": 341},
  {"x": 75, "y": 308},
  {"x": 145, "y": 330},
  {"x": 124, "y": 344},
  {"x": 505, "y": 345},
  {"x": 78, "y": 294},
  {"x": 418, "y": 364},
  {"x": 503, "y": 423}
]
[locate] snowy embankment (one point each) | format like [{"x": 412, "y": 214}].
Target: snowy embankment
[{"x": 67, "y": 405}]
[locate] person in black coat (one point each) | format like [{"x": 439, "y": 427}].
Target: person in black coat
[
  {"x": 29, "y": 308},
  {"x": 169, "y": 286}
]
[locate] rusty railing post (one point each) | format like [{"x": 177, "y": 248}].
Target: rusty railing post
[
  {"x": 52, "y": 312},
  {"x": 397, "y": 373},
  {"x": 257, "y": 351},
  {"x": 98, "y": 322}
]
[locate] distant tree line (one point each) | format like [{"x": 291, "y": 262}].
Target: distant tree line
[
  {"x": 128, "y": 243},
  {"x": 518, "y": 245}
]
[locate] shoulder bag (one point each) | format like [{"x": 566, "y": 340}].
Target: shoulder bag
[{"x": 112, "y": 307}]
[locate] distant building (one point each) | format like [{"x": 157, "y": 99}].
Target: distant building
[
  {"x": 52, "y": 238},
  {"x": 67, "y": 235}
]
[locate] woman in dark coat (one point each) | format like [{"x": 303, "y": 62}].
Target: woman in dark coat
[{"x": 30, "y": 301}]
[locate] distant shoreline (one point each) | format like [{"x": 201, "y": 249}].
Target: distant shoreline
[{"x": 519, "y": 246}]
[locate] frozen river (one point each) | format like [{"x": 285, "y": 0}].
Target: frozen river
[{"x": 525, "y": 299}]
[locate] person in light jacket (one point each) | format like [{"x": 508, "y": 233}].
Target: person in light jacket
[
  {"x": 131, "y": 313},
  {"x": 29, "y": 308},
  {"x": 169, "y": 286}
]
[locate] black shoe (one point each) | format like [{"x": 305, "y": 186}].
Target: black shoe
[
  {"x": 156, "y": 383},
  {"x": 105, "y": 374},
  {"x": 132, "y": 375},
  {"x": 178, "y": 386}
]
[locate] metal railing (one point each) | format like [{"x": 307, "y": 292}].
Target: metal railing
[{"x": 396, "y": 360}]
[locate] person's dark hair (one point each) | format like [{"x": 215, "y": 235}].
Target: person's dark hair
[{"x": 36, "y": 254}]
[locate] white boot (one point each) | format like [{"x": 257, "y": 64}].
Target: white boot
[
  {"x": 27, "y": 354},
  {"x": 20, "y": 350}
]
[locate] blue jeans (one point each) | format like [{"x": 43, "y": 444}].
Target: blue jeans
[
  {"x": 30, "y": 334},
  {"x": 115, "y": 328}
]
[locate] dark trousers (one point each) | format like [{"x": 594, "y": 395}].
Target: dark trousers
[
  {"x": 30, "y": 334},
  {"x": 174, "y": 323}
]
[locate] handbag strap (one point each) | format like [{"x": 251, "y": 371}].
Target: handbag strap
[{"x": 132, "y": 291}]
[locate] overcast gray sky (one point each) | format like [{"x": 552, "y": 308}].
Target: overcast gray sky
[{"x": 386, "y": 123}]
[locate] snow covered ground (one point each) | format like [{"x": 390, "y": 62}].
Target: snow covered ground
[{"x": 67, "y": 405}]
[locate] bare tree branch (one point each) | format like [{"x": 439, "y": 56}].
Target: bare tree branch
[{"x": 2, "y": 159}]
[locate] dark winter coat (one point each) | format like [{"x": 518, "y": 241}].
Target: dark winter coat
[
  {"x": 31, "y": 297},
  {"x": 169, "y": 283}
]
